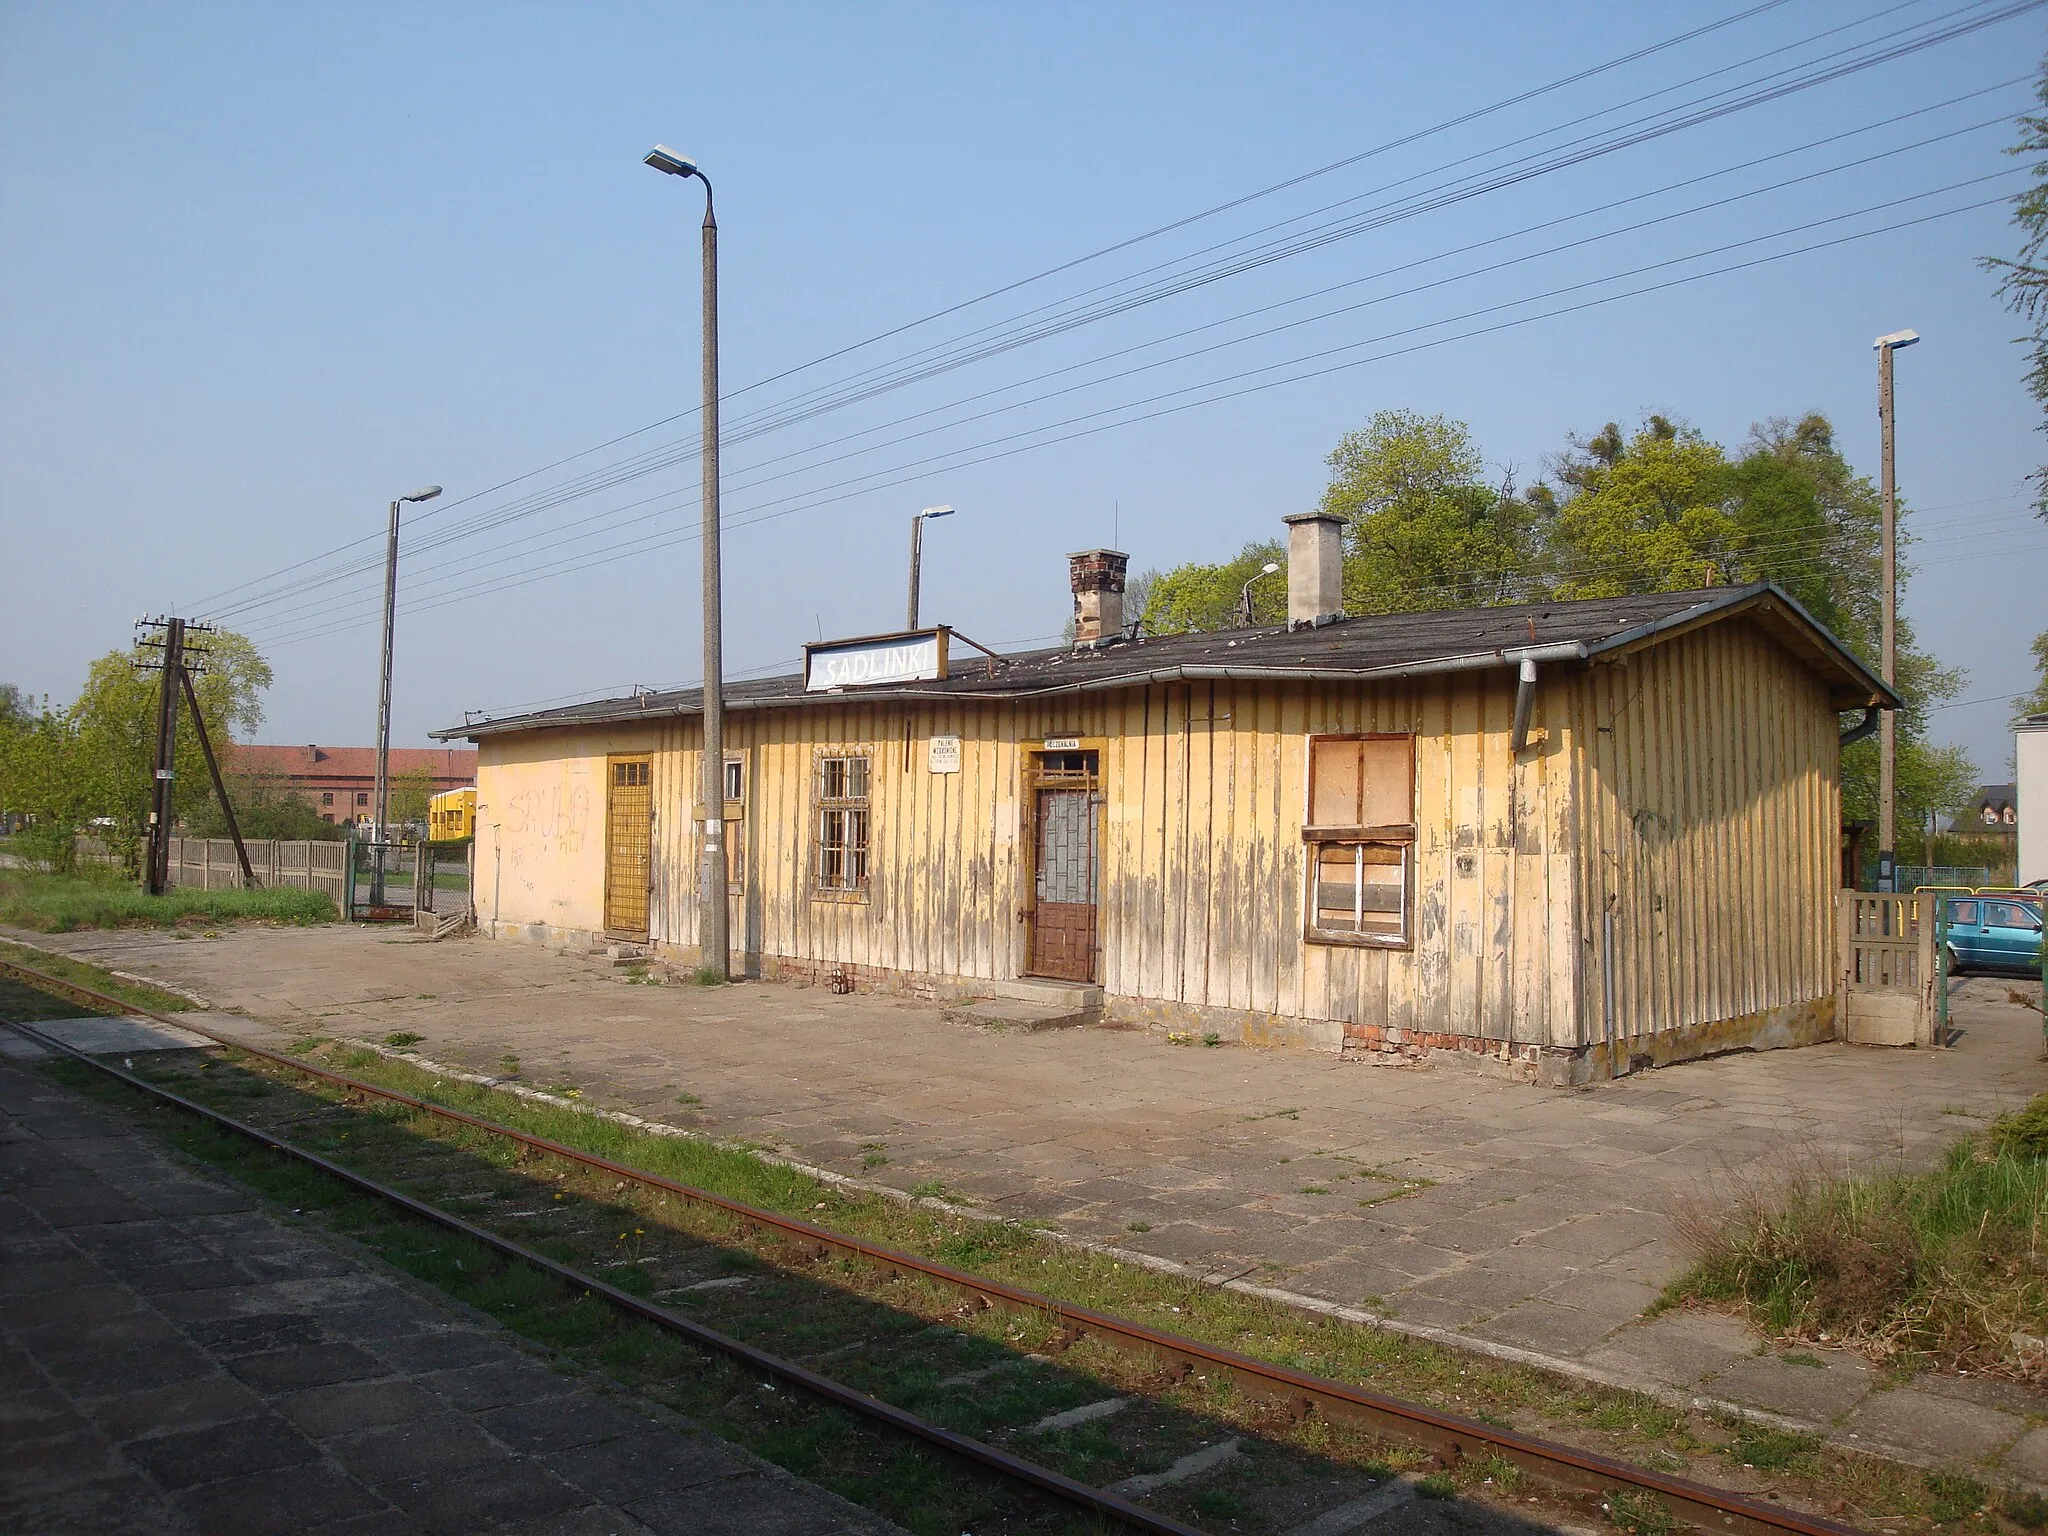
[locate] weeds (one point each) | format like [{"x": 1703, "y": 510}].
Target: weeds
[
  {"x": 399, "y": 1039},
  {"x": 80, "y": 974},
  {"x": 1640, "y": 1514},
  {"x": 64, "y": 903},
  {"x": 1953, "y": 1497},
  {"x": 1949, "y": 1265}
]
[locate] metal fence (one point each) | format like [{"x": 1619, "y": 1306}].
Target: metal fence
[{"x": 209, "y": 863}]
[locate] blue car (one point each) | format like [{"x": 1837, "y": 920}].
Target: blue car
[{"x": 1993, "y": 933}]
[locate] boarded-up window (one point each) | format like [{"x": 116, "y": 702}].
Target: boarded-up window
[
  {"x": 1360, "y": 838},
  {"x": 842, "y": 812}
]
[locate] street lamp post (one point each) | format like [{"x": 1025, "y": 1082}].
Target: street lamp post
[
  {"x": 1244, "y": 596},
  {"x": 917, "y": 554},
  {"x": 713, "y": 943},
  {"x": 381, "y": 812},
  {"x": 1888, "y": 726}
]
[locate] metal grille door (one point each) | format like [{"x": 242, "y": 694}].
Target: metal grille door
[
  {"x": 1063, "y": 937},
  {"x": 628, "y": 846}
]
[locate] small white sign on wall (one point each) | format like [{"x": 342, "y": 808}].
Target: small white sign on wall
[
  {"x": 942, "y": 754},
  {"x": 1062, "y": 743}
]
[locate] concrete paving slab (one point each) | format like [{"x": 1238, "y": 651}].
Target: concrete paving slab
[
  {"x": 122, "y": 1036},
  {"x": 249, "y": 1407},
  {"x": 1941, "y": 1428}
]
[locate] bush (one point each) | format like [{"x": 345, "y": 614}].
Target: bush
[
  {"x": 49, "y": 846},
  {"x": 1950, "y": 1265},
  {"x": 2023, "y": 1133},
  {"x": 62, "y": 903}
]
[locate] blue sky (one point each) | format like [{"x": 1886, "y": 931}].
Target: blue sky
[{"x": 266, "y": 267}]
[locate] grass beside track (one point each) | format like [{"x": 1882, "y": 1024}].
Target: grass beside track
[
  {"x": 1945, "y": 1267},
  {"x": 66, "y": 903},
  {"x": 43, "y": 1005}
]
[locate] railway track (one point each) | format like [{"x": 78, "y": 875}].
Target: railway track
[{"x": 682, "y": 1287}]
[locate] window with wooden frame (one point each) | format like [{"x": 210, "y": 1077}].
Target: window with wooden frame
[
  {"x": 1360, "y": 839},
  {"x": 841, "y": 809}
]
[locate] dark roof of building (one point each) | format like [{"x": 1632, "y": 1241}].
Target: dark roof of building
[
  {"x": 1381, "y": 645},
  {"x": 1997, "y": 796}
]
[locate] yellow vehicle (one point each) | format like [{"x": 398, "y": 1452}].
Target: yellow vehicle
[{"x": 451, "y": 816}]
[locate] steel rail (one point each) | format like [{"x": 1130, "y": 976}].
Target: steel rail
[
  {"x": 1095, "y": 1500},
  {"x": 1448, "y": 1436}
]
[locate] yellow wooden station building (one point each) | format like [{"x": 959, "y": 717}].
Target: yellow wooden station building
[{"x": 1574, "y": 836}]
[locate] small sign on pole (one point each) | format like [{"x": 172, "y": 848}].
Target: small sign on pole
[{"x": 942, "y": 754}]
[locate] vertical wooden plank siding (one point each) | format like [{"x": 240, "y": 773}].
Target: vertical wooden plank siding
[
  {"x": 1690, "y": 788},
  {"x": 1708, "y": 830}
]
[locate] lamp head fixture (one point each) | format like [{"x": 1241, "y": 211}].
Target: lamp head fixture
[
  {"x": 930, "y": 512},
  {"x": 424, "y": 493},
  {"x": 1268, "y": 568},
  {"x": 666, "y": 160},
  {"x": 1895, "y": 340}
]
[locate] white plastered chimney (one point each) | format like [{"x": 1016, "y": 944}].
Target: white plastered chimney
[{"x": 1315, "y": 569}]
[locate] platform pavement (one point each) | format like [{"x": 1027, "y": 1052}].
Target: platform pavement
[
  {"x": 173, "y": 1358},
  {"x": 1537, "y": 1223}
]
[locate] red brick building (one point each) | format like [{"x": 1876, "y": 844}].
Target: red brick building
[{"x": 340, "y": 782}]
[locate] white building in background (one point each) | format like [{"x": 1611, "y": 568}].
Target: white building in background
[{"x": 2032, "y": 784}]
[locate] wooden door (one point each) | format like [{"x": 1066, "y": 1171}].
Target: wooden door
[
  {"x": 628, "y": 845},
  {"x": 1063, "y": 927}
]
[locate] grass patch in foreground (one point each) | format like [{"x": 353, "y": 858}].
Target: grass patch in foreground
[
  {"x": 141, "y": 994},
  {"x": 64, "y": 903},
  {"x": 1948, "y": 1266}
]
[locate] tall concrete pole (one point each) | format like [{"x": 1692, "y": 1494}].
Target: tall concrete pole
[
  {"x": 713, "y": 938},
  {"x": 916, "y": 561},
  {"x": 381, "y": 795},
  {"x": 714, "y": 947},
  {"x": 1888, "y": 725}
]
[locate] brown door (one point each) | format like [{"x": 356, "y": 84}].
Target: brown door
[
  {"x": 628, "y": 845},
  {"x": 1063, "y": 928}
]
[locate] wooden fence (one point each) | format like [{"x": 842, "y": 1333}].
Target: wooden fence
[
  {"x": 210, "y": 864},
  {"x": 1887, "y": 968}
]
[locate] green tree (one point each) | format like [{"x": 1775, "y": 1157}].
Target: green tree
[
  {"x": 2036, "y": 703},
  {"x": 410, "y": 793},
  {"x": 1649, "y": 513},
  {"x": 1425, "y": 529},
  {"x": 1196, "y": 597},
  {"x": 93, "y": 763},
  {"x": 2023, "y": 281},
  {"x": 266, "y": 805}
]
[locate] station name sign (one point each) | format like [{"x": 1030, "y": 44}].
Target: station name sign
[{"x": 876, "y": 660}]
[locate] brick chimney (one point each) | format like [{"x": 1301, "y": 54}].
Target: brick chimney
[
  {"x": 1097, "y": 577},
  {"x": 1315, "y": 569}
]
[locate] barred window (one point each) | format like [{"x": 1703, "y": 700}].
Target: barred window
[
  {"x": 1360, "y": 838},
  {"x": 842, "y": 812}
]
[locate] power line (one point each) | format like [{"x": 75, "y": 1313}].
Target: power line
[
  {"x": 446, "y": 536},
  {"x": 650, "y": 543},
  {"x": 656, "y": 459}
]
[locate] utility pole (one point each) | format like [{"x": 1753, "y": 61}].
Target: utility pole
[
  {"x": 917, "y": 555},
  {"x": 714, "y": 947},
  {"x": 181, "y": 658},
  {"x": 381, "y": 812},
  {"x": 1888, "y": 723},
  {"x": 156, "y": 876}
]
